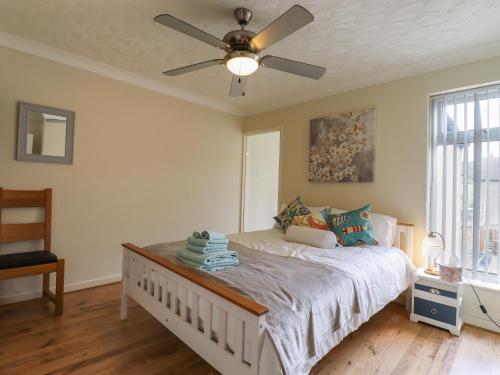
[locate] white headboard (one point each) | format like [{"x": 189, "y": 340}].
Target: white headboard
[
  {"x": 404, "y": 238},
  {"x": 404, "y": 241}
]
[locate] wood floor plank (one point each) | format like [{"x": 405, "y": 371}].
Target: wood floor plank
[{"x": 91, "y": 339}]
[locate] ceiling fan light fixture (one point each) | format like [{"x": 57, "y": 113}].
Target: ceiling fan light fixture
[
  {"x": 243, "y": 47},
  {"x": 242, "y": 63}
]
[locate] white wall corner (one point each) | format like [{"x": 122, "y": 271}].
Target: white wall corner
[{"x": 50, "y": 53}]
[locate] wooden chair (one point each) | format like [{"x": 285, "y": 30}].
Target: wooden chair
[{"x": 31, "y": 262}]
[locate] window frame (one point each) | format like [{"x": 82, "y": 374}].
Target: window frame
[{"x": 439, "y": 135}]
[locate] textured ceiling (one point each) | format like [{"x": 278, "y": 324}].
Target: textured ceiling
[{"x": 361, "y": 42}]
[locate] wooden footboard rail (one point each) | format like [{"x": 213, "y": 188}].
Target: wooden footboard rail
[{"x": 187, "y": 304}]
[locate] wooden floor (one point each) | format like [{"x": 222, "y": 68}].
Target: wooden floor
[{"x": 91, "y": 339}]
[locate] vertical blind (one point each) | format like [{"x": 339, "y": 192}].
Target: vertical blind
[{"x": 465, "y": 177}]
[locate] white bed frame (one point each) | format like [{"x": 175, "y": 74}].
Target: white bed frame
[{"x": 166, "y": 290}]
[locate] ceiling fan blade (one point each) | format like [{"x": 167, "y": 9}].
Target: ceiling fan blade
[
  {"x": 192, "y": 68},
  {"x": 292, "y": 20},
  {"x": 238, "y": 86},
  {"x": 294, "y": 67},
  {"x": 185, "y": 28}
]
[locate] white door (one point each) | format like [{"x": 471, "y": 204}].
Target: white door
[{"x": 261, "y": 185}]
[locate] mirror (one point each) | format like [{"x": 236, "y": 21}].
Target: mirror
[{"x": 45, "y": 134}]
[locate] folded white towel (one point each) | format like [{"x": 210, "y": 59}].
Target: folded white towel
[{"x": 323, "y": 239}]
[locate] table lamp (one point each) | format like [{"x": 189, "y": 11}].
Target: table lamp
[{"x": 432, "y": 247}]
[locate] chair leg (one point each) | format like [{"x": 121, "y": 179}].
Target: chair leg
[
  {"x": 46, "y": 284},
  {"x": 59, "y": 287}
]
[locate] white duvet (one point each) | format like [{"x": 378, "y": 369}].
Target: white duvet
[{"x": 381, "y": 274}]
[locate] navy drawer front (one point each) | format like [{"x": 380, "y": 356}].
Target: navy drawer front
[
  {"x": 436, "y": 291},
  {"x": 437, "y": 311}
]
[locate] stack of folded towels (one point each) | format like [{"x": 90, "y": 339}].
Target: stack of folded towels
[{"x": 208, "y": 251}]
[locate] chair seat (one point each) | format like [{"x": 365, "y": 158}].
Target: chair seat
[{"x": 29, "y": 258}]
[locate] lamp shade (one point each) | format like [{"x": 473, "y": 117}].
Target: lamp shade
[{"x": 432, "y": 245}]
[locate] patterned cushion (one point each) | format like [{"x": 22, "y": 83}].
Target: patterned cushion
[
  {"x": 294, "y": 208},
  {"x": 313, "y": 220},
  {"x": 352, "y": 227}
]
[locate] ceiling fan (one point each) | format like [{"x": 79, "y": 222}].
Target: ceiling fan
[{"x": 243, "y": 47}]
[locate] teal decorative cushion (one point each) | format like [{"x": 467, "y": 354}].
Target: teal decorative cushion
[
  {"x": 352, "y": 227},
  {"x": 294, "y": 208}
]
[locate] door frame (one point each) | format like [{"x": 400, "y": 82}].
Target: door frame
[{"x": 247, "y": 133}]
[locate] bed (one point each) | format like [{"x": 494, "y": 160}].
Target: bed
[{"x": 284, "y": 308}]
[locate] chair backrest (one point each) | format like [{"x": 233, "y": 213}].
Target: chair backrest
[{"x": 29, "y": 231}]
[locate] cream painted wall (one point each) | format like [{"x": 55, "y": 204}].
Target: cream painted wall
[
  {"x": 401, "y": 148},
  {"x": 147, "y": 167}
]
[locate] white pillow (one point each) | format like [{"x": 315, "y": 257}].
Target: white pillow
[
  {"x": 384, "y": 227},
  {"x": 323, "y": 239}
]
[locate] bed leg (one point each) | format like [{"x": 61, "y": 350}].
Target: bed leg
[
  {"x": 124, "y": 304},
  {"x": 408, "y": 295},
  {"x": 125, "y": 274}
]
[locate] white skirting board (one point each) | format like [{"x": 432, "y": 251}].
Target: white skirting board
[
  {"x": 480, "y": 322},
  {"x": 67, "y": 288}
]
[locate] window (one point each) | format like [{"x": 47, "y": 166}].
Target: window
[{"x": 465, "y": 177}]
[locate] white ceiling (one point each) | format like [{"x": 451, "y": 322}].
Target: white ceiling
[{"x": 361, "y": 42}]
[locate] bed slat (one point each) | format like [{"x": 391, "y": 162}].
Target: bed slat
[
  {"x": 183, "y": 298},
  {"x": 221, "y": 334},
  {"x": 207, "y": 320},
  {"x": 163, "y": 291},
  {"x": 140, "y": 275},
  {"x": 195, "y": 304},
  {"x": 238, "y": 339},
  {"x": 173, "y": 298},
  {"x": 149, "y": 283},
  {"x": 157, "y": 286}
]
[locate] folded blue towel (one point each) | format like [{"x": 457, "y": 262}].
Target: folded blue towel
[
  {"x": 209, "y": 261},
  {"x": 206, "y": 249},
  {"x": 208, "y": 258},
  {"x": 203, "y": 242},
  {"x": 210, "y": 235},
  {"x": 207, "y": 268}
]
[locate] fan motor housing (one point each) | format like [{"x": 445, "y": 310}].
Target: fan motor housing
[{"x": 239, "y": 40}]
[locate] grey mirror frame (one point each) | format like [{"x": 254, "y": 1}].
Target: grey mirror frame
[{"x": 22, "y": 127}]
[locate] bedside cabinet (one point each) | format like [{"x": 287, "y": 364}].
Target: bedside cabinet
[{"x": 437, "y": 302}]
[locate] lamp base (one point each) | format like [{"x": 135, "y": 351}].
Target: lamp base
[{"x": 432, "y": 270}]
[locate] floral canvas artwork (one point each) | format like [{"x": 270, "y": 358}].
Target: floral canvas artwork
[{"x": 342, "y": 147}]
